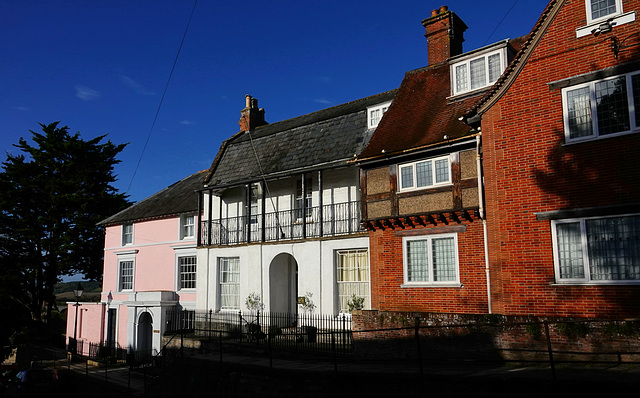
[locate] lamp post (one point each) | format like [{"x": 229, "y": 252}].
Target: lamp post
[{"x": 77, "y": 292}]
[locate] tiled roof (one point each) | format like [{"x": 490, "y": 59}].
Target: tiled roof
[
  {"x": 177, "y": 198},
  {"x": 323, "y": 139},
  {"x": 422, "y": 113}
]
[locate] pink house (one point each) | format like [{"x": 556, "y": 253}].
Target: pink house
[{"x": 149, "y": 271}]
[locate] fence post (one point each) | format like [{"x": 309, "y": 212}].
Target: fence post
[
  {"x": 270, "y": 352},
  {"x": 553, "y": 367},
  {"x": 417, "y": 333},
  {"x": 210, "y": 316},
  {"x": 335, "y": 355},
  {"x": 220, "y": 344}
]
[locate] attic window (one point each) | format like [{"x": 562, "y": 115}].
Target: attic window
[
  {"x": 477, "y": 72},
  {"x": 374, "y": 114}
]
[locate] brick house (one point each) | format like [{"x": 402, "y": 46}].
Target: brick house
[
  {"x": 560, "y": 144},
  {"x": 421, "y": 189}
]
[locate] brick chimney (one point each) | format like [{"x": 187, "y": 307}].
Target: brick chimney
[
  {"x": 444, "y": 33},
  {"x": 251, "y": 116}
]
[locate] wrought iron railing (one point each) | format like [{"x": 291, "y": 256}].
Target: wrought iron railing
[
  {"x": 318, "y": 332},
  {"x": 330, "y": 220}
]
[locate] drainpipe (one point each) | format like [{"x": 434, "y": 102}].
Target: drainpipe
[{"x": 482, "y": 215}]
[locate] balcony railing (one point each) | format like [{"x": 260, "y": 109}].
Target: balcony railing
[{"x": 331, "y": 220}]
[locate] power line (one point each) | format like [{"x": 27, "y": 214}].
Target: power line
[
  {"x": 499, "y": 23},
  {"x": 163, "y": 94}
]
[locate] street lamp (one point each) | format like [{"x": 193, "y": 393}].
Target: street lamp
[{"x": 77, "y": 292}]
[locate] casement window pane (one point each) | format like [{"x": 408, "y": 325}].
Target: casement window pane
[
  {"x": 635, "y": 82},
  {"x": 478, "y": 73},
  {"x": 444, "y": 259},
  {"x": 612, "y": 105},
  {"x": 614, "y": 248},
  {"x": 579, "y": 113},
  {"x": 406, "y": 177},
  {"x": 442, "y": 170},
  {"x": 495, "y": 67},
  {"x": 418, "y": 261},
  {"x": 229, "y": 283},
  {"x": 424, "y": 174},
  {"x": 602, "y": 8},
  {"x": 126, "y": 275},
  {"x": 570, "y": 250},
  {"x": 462, "y": 83},
  {"x": 187, "y": 272},
  {"x": 352, "y": 276}
]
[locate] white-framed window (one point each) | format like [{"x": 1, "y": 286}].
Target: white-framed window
[
  {"x": 187, "y": 226},
  {"x": 307, "y": 198},
  {"x": 597, "y": 250},
  {"x": 187, "y": 272},
  {"x": 478, "y": 72},
  {"x": 127, "y": 234},
  {"x": 229, "y": 282},
  {"x": 431, "y": 260},
  {"x": 255, "y": 193},
  {"x": 352, "y": 268},
  {"x": 601, "y": 108},
  {"x": 374, "y": 114},
  {"x": 602, "y": 9},
  {"x": 425, "y": 173},
  {"x": 125, "y": 274}
]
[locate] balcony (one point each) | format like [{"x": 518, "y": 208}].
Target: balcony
[{"x": 330, "y": 220}]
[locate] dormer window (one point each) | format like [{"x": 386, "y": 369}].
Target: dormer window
[
  {"x": 474, "y": 73},
  {"x": 374, "y": 114}
]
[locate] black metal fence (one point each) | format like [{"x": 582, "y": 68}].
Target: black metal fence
[{"x": 317, "y": 332}]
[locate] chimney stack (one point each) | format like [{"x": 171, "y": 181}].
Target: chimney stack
[
  {"x": 444, "y": 33},
  {"x": 251, "y": 116}
]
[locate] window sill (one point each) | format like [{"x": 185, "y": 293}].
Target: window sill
[
  {"x": 617, "y": 20},
  {"x": 441, "y": 185},
  {"x": 444, "y": 284},
  {"x": 599, "y": 137},
  {"x": 597, "y": 283}
]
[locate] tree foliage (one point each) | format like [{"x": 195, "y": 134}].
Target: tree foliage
[{"x": 52, "y": 195}]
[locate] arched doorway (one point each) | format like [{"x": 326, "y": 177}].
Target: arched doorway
[
  {"x": 145, "y": 335},
  {"x": 283, "y": 284}
]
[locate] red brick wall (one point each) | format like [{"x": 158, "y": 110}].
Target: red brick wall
[
  {"x": 387, "y": 278},
  {"x": 528, "y": 169}
]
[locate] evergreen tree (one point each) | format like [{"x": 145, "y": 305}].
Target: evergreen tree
[{"x": 52, "y": 195}]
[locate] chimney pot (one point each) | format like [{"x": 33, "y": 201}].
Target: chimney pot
[
  {"x": 443, "y": 9},
  {"x": 434, "y": 13}
]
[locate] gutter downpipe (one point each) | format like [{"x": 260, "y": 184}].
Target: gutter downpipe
[{"x": 484, "y": 221}]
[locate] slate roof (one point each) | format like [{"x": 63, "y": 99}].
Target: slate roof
[
  {"x": 176, "y": 199},
  {"x": 320, "y": 140},
  {"x": 422, "y": 113}
]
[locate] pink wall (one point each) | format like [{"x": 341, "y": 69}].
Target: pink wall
[{"x": 90, "y": 324}]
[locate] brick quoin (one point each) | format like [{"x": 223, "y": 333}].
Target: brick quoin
[{"x": 529, "y": 169}]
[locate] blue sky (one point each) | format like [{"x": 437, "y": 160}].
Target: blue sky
[{"x": 101, "y": 66}]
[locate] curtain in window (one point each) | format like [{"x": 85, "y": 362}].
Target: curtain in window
[
  {"x": 478, "y": 73},
  {"x": 612, "y": 105},
  {"x": 495, "y": 67},
  {"x": 614, "y": 248},
  {"x": 417, "y": 261},
  {"x": 353, "y": 276},
  {"x": 579, "y": 113},
  {"x": 229, "y": 283},
  {"x": 444, "y": 260},
  {"x": 570, "y": 256}
]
